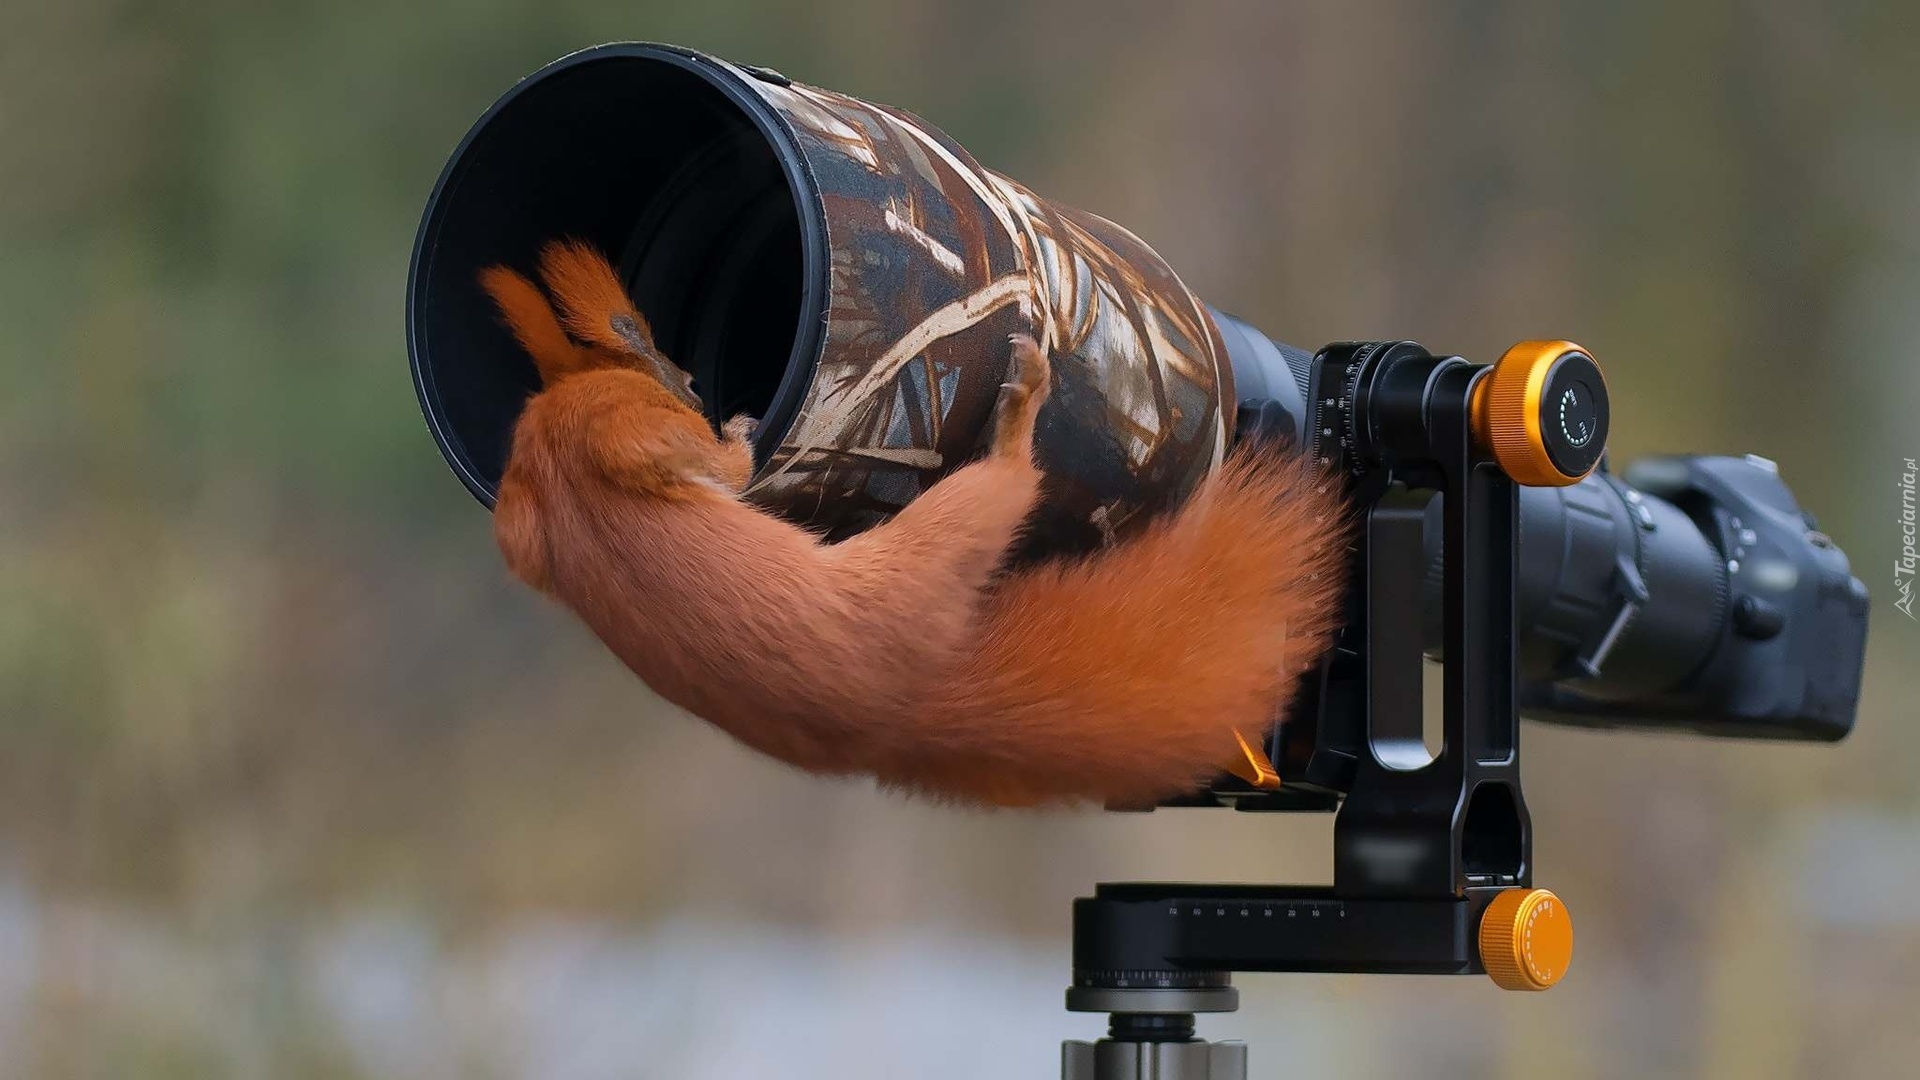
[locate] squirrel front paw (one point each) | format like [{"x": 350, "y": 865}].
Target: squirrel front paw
[
  {"x": 1031, "y": 370},
  {"x": 736, "y": 445},
  {"x": 1028, "y": 383},
  {"x": 741, "y": 428}
]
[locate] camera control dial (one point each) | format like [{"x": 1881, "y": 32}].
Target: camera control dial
[{"x": 1541, "y": 411}]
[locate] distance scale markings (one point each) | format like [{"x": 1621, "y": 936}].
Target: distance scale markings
[
  {"x": 1571, "y": 403},
  {"x": 1333, "y": 416},
  {"x": 1267, "y": 909}
]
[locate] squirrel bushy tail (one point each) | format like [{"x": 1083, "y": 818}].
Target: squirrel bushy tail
[{"x": 1124, "y": 676}]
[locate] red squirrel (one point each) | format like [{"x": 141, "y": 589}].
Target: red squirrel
[{"x": 908, "y": 652}]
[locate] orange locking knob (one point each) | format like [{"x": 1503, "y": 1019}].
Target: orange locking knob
[
  {"x": 1526, "y": 939},
  {"x": 1542, "y": 413}
]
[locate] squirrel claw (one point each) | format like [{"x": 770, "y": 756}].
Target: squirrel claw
[
  {"x": 1021, "y": 396},
  {"x": 1031, "y": 370}
]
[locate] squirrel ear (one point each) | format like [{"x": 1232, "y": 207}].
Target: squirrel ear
[
  {"x": 597, "y": 310},
  {"x": 527, "y": 314},
  {"x": 592, "y": 302}
]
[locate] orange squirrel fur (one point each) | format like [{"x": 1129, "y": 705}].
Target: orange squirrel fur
[{"x": 904, "y": 652}]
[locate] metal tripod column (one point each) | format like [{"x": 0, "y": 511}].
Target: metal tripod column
[{"x": 1150, "y": 1036}]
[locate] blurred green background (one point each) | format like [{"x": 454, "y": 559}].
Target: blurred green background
[{"x": 295, "y": 783}]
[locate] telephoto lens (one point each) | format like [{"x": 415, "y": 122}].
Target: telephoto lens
[{"x": 849, "y": 275}]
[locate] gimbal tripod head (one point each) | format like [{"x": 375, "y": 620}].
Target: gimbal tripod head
[{"x": 1578, "y": 595}]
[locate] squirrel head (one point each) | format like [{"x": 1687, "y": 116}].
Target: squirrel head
[{"x": 589, "y": 324}]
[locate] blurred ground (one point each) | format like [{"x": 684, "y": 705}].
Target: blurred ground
[{"x": 294, "y": 782}]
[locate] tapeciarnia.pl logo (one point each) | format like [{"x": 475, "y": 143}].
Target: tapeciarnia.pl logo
[{"x": 1903, "y": 567}]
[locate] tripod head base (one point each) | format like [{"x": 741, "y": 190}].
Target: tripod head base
[{"x": 1149, "y": 1000}]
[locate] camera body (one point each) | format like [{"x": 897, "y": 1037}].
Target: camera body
[{"x": 1777, "y": 621}]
